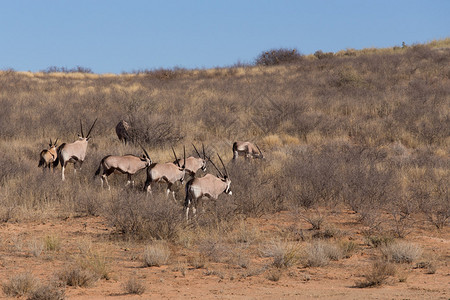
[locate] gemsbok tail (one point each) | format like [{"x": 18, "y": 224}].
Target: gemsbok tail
[
  {"x": 58, "y": 151},
  {"x": 100, "y": 167},
  {"x": 41, "y": 162}
]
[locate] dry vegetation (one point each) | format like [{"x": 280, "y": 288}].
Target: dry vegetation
[{"x": 362, "y": 135}]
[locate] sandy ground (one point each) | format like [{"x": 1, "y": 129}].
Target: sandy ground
[{"x": 180, "y": 280}]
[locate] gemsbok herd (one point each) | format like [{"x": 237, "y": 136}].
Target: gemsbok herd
[{"x": 209, "y": 186}]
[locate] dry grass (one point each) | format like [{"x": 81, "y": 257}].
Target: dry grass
[
  {"x": 47, "y": 292},
  {"x": 134, "y": 286},
  {"x": 360, "y": 130},
  {"x": 401, "y": 252},
  {"x": 285, "y": 254},
  {"x": 319, "y": 253},
  {"x": 77, "y": 277},
  {"x": 19, "y": 285},
  {"x": 156, "y": 254},
  {"x": 377, "y": 275}
]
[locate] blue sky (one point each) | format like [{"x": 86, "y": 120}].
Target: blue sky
[{"x": 111, "y": 36}]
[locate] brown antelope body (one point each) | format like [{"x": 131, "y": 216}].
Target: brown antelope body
[
  {"x": 126, "y": 164},
  {"x": 49, "y": 157},
  {"x": 74, "y": 152},
  {"x": 209, "y": 186},
  {"x": 193, "y": 164},
  {"x": 123, "y": 131},
  {"x": 168, "y": 173},
  {"x": 246, "y": 149}
]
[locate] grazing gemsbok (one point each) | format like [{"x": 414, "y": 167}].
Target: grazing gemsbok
[
  {"x": 193, "y": 164},
  {"x": 209, "y": 186},
  {"x": 169, "y": 173},
  {"x": 49, "y": 157},
  {"x": 123, "y": 131},
  {"x": 74, "y": 152},
  {"x": 126, "y": 164},
  {"x": 246, "y": 149}
]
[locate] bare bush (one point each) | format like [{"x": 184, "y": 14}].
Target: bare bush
[
  {"x": 431, "y": 191},
  {"x": 47, "y": 292},
  {"x": 377, "y": 275},
  {"x": 134, "y": 286},
  {"x": 136, "y": 217},
  {"x": 255, "y": 191},
  {"x": 19, "y": 285},
  {"x": 278, "y": 56},
  {"x": 378, "y": 239},
  {"x": 77, "y": 69},
  {"x": 78, "y": 277}
]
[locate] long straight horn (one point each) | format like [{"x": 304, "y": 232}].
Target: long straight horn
[
  {"x": 184, "y": 157},
  {"x": 56, "y": 142},
  {"x": 51, "y": 144},
  {"x": 145, "y": 152},
  {"x": 176, "y": 159},
  {"x": 225, "y": 169},
  {"x": 91, "y": 128},
  {"x": 204, "y": 153},
  {"x": 220, "y": 173},
  {"x": 260, "y": 152},
  {"x": 81, "y": 125},
  {"x": 195, "y": 148}
]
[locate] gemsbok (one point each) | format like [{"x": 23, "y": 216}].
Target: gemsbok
[
  {"x": 209, "y": 186},
  {"x": 193, "y": 164},
  {"x": 246, "y": 149},
  {"x": 74, "y": 152},
  {"x": 49, "y": 157},
  {"x": 126, "y": 164},
  {"x": 123, "y": 131},
  {"x": 169, "y": 173}
]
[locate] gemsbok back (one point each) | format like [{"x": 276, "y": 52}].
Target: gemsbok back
[
  {"x": 193, "y": 164},
  {"x": 169, "y": 173},
  {"x": 74, "y": 152},
  {"x": 246, "y": 149},
  {"x": 49, "y": 157},
  {"x": 123, "y": 131},
  {"x": 126, "y": 164},
  {"x": 209, "y": 186}
]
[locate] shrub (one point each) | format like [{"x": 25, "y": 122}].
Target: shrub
[
  {"x": 284, "y": 254},
  {"x": 319, "y": 253},
  {"x": 52, "y": 243},
  {"x": 137, "y": 217},
  {"x": 323, "y": 55},
  {"x": 401, "y": 252},
  {"x": 78, "y": 277},
  {"x": 348, "y": 248},
  {"x": 77, "y": 69},
  {"x": 258, "y": 194},
  {"x": 278, "y": 56},
  {"x": 96, "y": 263},
  {"x": 19, "y": 285},
  {"x": 378, "y": 239},
  {"x": 430, "y": 266},
  {"x": 377, "y": 275},
  {"x": 134, "y": 286},
  {"x": 156, "y": 254},
  {"x": 47, "y": 292},
  {"x": 36, "y": 247},
  {"x": 274, "y": 275}
]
